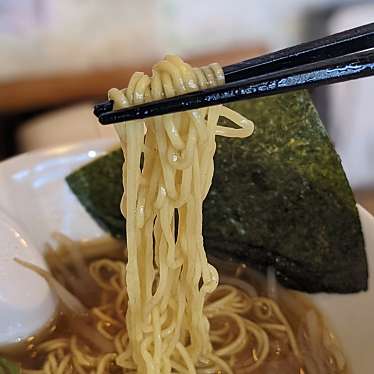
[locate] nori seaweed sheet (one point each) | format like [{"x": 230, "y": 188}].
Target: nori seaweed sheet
[{"x": 279, "y": 199}]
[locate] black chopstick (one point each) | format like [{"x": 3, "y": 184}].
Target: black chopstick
[
  {"x": 349, "y": 41},
  {"x": 357, "y": 39},
  {"x": 334, "y": 70},
  {"x": 340, "y": 44}
]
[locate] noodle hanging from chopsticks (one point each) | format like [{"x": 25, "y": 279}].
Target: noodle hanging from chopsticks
[{"x": 168, "y": 275}]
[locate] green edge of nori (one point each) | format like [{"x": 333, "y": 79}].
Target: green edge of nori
[
  {"x": 98, "y": 186},
  {"x": 279, "y": 199},
  {"x": 8, "y": 367}
]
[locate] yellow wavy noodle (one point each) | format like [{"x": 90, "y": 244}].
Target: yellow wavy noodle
[{"x": 175, "y": 177}]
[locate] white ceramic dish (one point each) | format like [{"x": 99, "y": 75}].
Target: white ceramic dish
[{"x": 33, "y": 191}]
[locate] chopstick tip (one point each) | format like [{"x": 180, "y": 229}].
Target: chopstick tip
[{"x": 101, "y": 108}]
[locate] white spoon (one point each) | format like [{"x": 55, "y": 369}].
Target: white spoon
[{"x": 26, "y": 301}]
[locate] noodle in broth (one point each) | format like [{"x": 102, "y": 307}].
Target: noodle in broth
[{"x": 249, "y": 331}]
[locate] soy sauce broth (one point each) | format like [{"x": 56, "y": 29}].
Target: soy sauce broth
[{"x": 294, "y": 306}]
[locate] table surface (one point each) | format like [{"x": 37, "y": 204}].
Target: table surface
[
  {"x": 366, "y": 199},
  {"x": 42, "y": 92}
]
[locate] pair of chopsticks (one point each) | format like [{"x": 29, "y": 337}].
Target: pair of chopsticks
[{"x": 336, "y": 58}]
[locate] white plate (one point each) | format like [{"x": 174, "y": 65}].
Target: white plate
[{"x": 34, "y": 193}]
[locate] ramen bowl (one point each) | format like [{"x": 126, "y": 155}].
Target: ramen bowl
[{"x": 33, "y": 192}]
